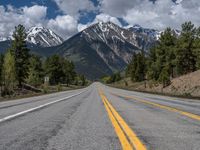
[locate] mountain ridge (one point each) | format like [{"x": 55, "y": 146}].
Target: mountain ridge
[{"x": 100, "y": 49}]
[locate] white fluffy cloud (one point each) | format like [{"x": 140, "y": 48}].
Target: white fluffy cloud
[
  {"x": 28, "y": 16},
  {"x": 117, "y": 8},
  {"x": 65, "y": 25},
  {"x": 105, "y": 18},
  {"x": 35, "y": 12},
  {"x": 101, "y": 17},
  {"x": 73, "y": 7},
  {"x": 157, "y": 15}
]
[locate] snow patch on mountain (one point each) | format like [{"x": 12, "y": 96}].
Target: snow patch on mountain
[
  {"x": 40, "y": 36},
  {"x": 43, "y": 37}
]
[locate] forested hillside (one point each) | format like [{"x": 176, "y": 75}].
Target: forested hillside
[
  {"x": 171, "y": 57},
  {"x": 19, "y": 69}
]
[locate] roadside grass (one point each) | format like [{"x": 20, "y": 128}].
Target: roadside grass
[{"x": 44, "y": 91}]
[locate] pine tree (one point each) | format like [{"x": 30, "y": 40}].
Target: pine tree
[
  {"x": 152, "y": 71},
  {"x": 54, "y": 69},
  {"x": 186, "y": 58},
  {"x": 164, "y": 77},
  {"x": 83, "y": 80},
  {"x": 8, "y": 73},
  {"x": 162, "y": 57},
  {"x": 131, "y": 66},
  {"x": 139, "y": 72},
  {"x": 35, "y": 76},
  {"x": 21, "y": 54},
  {"x": 59, "y": 70},
  {"x": 137, "y": 67},
  {"x": 68, "y": 69}
]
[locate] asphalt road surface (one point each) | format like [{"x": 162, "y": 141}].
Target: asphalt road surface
[{"x": 100, "y": 118}]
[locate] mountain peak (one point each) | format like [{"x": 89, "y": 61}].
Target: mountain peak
[
  {"x": 136, "y": 26},
  {"x": 43, "y": 37}
]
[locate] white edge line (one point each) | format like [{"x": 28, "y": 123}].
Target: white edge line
[{"x": 36, "y": 108}]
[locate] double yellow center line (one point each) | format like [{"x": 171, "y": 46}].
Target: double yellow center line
[
  {"x": 127, "y": 137},
  {"x": 172, "y": 109}
]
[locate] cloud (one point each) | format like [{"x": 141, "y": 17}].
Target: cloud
[
  {"x": 100, "y": 18},
  {"x": 105, "y": 18},
  {"x": 28, "y": 16},
  {"x": 74, "y": 7},
  {"x": 158, "y": 14},
  {"x": 64, "y": 26},
  {"x": 116, "y": 8},
  {"x": 35, "y": 13}
]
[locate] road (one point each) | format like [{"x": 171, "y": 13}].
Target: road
[{"x": 100, "y": 118}]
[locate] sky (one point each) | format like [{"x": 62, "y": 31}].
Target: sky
[{"x": 68, "y": 17}]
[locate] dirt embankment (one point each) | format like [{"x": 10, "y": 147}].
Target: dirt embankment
[{"x": 186, "y": 85}]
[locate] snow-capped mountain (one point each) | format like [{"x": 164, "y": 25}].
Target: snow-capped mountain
[
  {"x": 102, "y": 48},
  {"x": 111, "y": 34},
  {"x": 43, "y": 37},
  {"x": 40, "y": 36},
  {"x": 151, "y": 33},
  {"x": 121, "y": 41}
]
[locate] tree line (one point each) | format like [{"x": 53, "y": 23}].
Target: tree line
[
  {"x": 172, "y": 56},
  {"x": 108, "y": 79},
  {"x": 18, "y": 67}
]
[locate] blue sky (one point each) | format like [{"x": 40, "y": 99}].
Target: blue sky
[{"x": 67, "y": 17}]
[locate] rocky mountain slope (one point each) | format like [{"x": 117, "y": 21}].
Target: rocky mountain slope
[
  {"x": 100, "y": 49},
  {"x": 43, "y": 37},
  {"x": 104, "y": 48}
]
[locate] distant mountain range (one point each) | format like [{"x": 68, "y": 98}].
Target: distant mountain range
[{"x": 100, "y": 49}]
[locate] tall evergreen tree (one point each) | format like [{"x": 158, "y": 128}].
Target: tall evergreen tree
[
  {"x": 8, "y": 73},
  {"x": 35, "y": 76},
  {"x": 152, "y": 72},
  {"x": 83, "y": 80},
  {"x": 186, "y": 59},
  {"x": 164, "y": 76},
  {"x": 137, "y": 67},
  {"x": 162, "y": 57},
  {"x": 69, "y": 73},
  {"x": 131, "y": 66},
  {"x": 140, "y": 71},
  {"x": 21, "y": 54},
  {"x": 54, "y": 69}
]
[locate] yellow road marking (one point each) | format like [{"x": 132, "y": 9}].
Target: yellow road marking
[
  {"x": 115, "y": 119},
  {"x": 190, "y": 115},
  {"x": 123, "y": 140}
]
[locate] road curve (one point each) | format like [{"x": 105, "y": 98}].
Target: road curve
[{"x": 100, "y": 118}]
